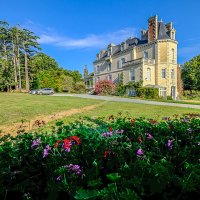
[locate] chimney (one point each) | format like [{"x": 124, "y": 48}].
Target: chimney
[{"x": 153, "y": 28}]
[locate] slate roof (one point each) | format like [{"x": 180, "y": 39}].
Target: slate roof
[{"x": 162, "y": 31}]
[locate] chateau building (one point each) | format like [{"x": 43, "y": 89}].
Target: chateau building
[{"x": 151, "y": 59}]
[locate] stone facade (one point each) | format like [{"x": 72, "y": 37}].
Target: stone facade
[{"x": 151, "y": 59}]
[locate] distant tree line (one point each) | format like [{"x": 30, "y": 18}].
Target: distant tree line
[{"x": 23, "y": 66}]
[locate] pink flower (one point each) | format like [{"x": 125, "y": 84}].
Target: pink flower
[
  {"x": 149, "y": 136},
  {"x": 139, "y": 152}
]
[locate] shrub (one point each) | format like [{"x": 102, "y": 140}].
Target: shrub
[
  {"x": 80, "y": 87},
  {"x": 118, "y": 158},
  {"x": 104, "y": 87},
  {"x": 147, "y": 92}
]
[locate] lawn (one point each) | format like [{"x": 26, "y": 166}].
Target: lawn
[{"x": 17, "y": 107}]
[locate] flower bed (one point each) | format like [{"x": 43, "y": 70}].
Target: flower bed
[{"x": 118, "y": 158}]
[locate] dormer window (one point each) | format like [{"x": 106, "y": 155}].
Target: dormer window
[{"x": 122, "y": 46}]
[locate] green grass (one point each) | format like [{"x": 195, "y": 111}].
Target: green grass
[
  {"x": 133, "y": 110},
  {"x": 16, "y": 107}
]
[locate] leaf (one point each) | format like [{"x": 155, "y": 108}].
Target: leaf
[
  {"x": 86, "y": 194},
  {"x": 113, "y": 177}
]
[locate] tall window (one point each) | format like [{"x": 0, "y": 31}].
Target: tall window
[
  {"x": 163, "y": 73},
  {"x": 146, "y": 55},
  {"x": 109, "y": 66},
  {"x": 173, "y": 55},
  {"x": 132, "y": 75},
  {"x": 173, "y": 36},
  {"x": 172, "y": 74},
  {"x": 98, "y": 69},
  {"x": 148, "y": 74},
  {"x": 118, "y": 64}
]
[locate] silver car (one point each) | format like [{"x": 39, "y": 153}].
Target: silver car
[
  {"x": 45, "y": 91},
  {"x": 33, "y": 92}
]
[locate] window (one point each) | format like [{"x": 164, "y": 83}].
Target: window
[
  {"x": 173, "y": 36},
  {"x": 98, "y": 69},
  {"x": 122, "y": 47},
  {"x": 146, "y": 54},
  {"x": 123, "y": 60},
  {"x": 172, "y": 74},
  {"x": 173, "y": 55},
  {"x": 132, "y": 75},
  {"x": 110, "y": 77},
  {"x": 118, "y": 64},
  {"x": 109, "y": 66},
  {"x": 163, "y": 75},
  {"x": 162, "y": 92},
  {"x": 148, "y": 74}
]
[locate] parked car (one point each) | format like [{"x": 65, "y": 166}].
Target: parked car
[
  {"x": 33, "y": 92},
  {"x": 45, "y": 91}
]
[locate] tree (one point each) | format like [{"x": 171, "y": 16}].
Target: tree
[
  {"x": 191, "y": 74},
  {"x": 29, "y": 46},
  {"x": 80, "y": 87}
]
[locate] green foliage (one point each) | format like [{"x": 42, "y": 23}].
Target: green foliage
[
  {"x": 120, "y": 87},
  {"x": 147, "y": 92},
  {"x": 134, "y": 85},
  {"x": 191, "y": 74},
  {"x": 118, "y": 158},
  {"x": 80, "y": 87}
]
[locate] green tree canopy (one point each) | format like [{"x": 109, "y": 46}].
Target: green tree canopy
[{"x": 191, "y": 74}]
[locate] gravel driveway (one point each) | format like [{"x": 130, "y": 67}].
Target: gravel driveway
[{"x": 120, "y": 99}]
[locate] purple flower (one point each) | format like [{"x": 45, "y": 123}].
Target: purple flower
[
  {"x": 170, "y": 144},
  {"x": 73, "y": 168},
  {"x": 108, "y": 134},
  {"x": 165, "y": 118},
  {"x": 58, "y": 178},
  {"x": 36, "y": 143},
  {"x": 149, "y": 136},
  {"x": 46, "y": 151},
  {"x": 120, "y": 131},
  {"x": 139, "y": 152}
]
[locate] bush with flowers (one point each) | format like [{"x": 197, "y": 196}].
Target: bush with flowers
[
  {"x": 115, "y": 158},
  {"x": 105, "y": 87}
]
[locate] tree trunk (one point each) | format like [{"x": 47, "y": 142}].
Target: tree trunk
[
  {"x": 18, "y": 63},
  {"x": 26, "y": 71},
  {"x": 14, "y": 64}
]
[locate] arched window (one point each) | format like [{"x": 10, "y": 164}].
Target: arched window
[{"x": 148, "y": 74}]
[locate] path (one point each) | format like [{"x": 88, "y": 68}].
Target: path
[{"x": 120, "y": 99}]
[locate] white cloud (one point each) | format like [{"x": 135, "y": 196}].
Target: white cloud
[{"x": 89, "y": 41}]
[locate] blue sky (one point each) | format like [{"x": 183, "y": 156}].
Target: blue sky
[{"x": 73, "y": 31}]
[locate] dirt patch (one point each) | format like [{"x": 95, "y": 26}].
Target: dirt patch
[{"x": 39, "y": 121}]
